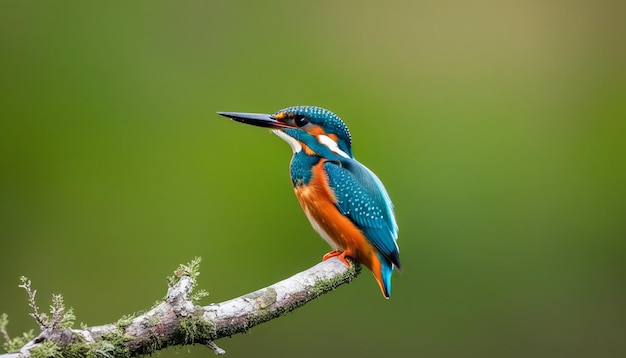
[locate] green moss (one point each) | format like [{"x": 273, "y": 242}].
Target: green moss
[
  {"x": 152, "y": 321},
  {"x": 102, "y": 349},
  {"x": 118, "y": 341},
  {"x": 324, "y": 286},
  {"x": 111, "y": 346},
  {"x": 16, "y": 343},
  {"x": 125, "y": 321},
  {"x": 192, "y": 329},
  {"x": 61, "y": 317},
  {"x": 46, "y": 350},
  {"x": 198, "y": 295},
  {"x": 75, "y": 350},
  {"x": 154, "y": 345},
  {"x": 191, "y": 269}
]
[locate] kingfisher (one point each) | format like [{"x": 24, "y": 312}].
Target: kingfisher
[{"x": 344, "y": 201}]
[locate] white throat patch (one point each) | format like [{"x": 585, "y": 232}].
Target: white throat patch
[
  {"x": 294, "y": 144},
  {"x": 332, "y": 145}
]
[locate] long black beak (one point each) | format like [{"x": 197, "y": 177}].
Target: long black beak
[{"x": 256, "y": 119}]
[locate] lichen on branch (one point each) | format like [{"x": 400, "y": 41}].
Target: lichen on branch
[{"x": 174, "y": 321}]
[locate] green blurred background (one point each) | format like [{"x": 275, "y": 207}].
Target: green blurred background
[{"x": 498, "y": 128}]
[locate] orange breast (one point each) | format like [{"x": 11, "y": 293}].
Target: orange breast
[{"x": 318, "y": 202}]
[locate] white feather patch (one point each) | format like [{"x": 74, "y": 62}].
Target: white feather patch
[{"x": 332, "y": 145}]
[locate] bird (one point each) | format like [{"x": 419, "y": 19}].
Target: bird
[{"x": 344, "y": 201}]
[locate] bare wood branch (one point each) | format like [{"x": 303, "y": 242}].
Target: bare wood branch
[{"x": 178, "y": 321}]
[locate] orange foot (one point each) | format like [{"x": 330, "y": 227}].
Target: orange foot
[{"x": 340, "y": 254}]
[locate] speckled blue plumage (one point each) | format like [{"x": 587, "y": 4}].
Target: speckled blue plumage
[
  {"x": 345, "y": 202},
  {"x": 360, "y": 194},
  {"x": 300, "y": 168},
  {"x": 366, "y": 208}
]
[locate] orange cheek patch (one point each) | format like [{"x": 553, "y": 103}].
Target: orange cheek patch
[
  {"x": 315, "y": 130},
  {"x": 307, "y": 150}
]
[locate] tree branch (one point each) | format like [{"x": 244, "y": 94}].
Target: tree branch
[{"x": 178, "y": 321}]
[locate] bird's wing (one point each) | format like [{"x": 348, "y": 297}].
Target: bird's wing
[{"x": 362, "y": 198}]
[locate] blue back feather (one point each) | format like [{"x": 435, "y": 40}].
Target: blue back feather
[{"x": 362, "y": 198}]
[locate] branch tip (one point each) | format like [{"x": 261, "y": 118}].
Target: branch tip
[{"x": 215, "y": 348}]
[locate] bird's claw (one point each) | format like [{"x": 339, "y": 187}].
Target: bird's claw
[{"x": 339, "y": 254}]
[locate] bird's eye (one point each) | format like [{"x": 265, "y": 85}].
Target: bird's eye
[{"x": 300, "y": 121}]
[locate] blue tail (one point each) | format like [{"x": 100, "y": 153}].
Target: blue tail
[{"x": 385, "y": 273}]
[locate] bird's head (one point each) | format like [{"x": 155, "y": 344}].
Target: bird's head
[{"x": 315, "y": 130}]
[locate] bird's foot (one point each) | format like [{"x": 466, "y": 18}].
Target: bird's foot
[
  {"x": 331, "y": 254},
  {"x": 339, "y": 254}
]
